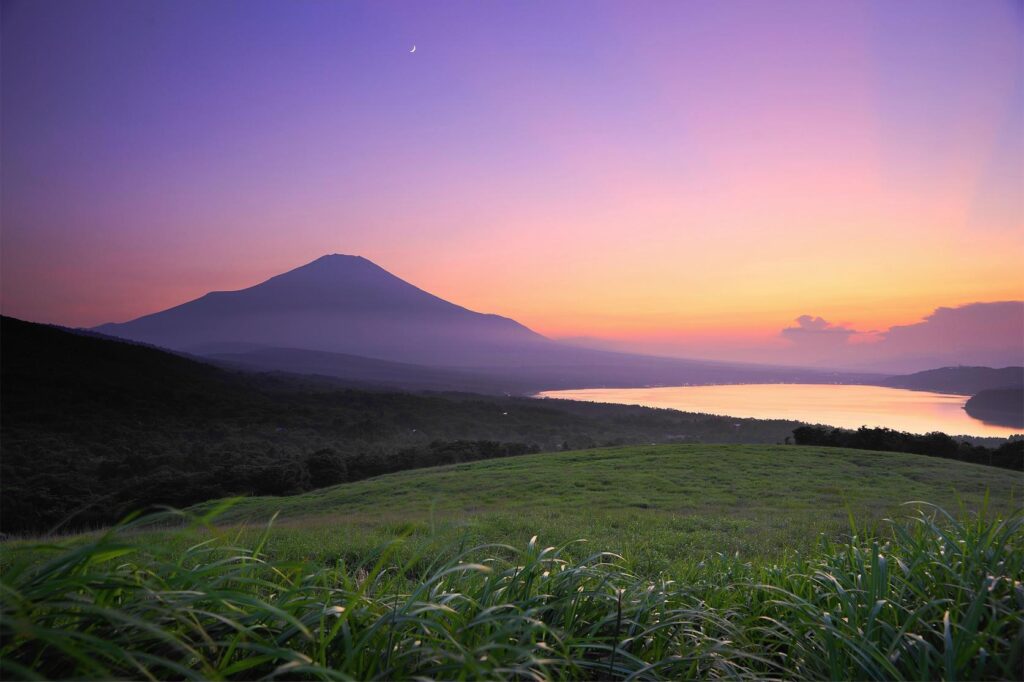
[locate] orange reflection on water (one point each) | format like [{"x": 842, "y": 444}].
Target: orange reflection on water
[{"x": 837, "y": 405}]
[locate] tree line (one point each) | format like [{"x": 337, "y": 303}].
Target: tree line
[{"x": 1009, "y": 455}]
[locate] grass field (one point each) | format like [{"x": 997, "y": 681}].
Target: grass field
[
  {"x": 748, "y": 562},
  {"x": 655, "y": 506}
]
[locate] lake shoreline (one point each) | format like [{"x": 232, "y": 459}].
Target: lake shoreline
[{"x": 837, "y": 404}]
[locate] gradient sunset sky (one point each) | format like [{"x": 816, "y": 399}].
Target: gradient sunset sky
[{"x": 655, "y": 172}]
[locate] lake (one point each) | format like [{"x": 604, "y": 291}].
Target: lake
[{"x": 834, "y": 404}]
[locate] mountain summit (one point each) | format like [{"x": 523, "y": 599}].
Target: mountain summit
[{"x": 339, "y": 304}]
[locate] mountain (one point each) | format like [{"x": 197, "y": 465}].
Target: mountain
[
  {"x": 959, "y": 380},
  {"x": 338, "y": 304},
  {"x": 344, "y": 316}
]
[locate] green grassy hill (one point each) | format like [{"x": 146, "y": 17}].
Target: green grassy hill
[
  {"x": 656, "y": 505},
  {"x": 736, "y": 561}
]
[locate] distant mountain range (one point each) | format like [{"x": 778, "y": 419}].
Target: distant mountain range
[
  {"x": 959, "y": 380},
  {"x": 344, "y": 316}
]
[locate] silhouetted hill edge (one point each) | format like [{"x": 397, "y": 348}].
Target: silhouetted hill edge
[
  {"x": 959, "y": 380},
  {"x": 1002, "y": 406}
]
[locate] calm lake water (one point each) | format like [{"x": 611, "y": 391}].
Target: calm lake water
[{"x": 836, "y": 405}]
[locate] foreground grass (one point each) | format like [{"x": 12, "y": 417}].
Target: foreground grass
[
  {"x": 702, "y": 561},
  {"x": 933, "y": 597}
]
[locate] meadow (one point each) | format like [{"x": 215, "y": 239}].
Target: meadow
[
  {"x": 655, "y": 505},
  {"x": 670, "y": 562}
]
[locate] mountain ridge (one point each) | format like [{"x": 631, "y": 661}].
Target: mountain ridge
[{"x": 335, "y": 303}]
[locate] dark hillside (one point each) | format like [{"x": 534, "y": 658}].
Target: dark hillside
[
  {"x": 89, "y": 376},
  {"x": 1003, "y": 406},
  {"x": 94, "y": 427}
]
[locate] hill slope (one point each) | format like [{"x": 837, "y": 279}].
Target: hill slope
[
  {"x": 732, "y": 556},
  {"x": 667, "y": 500},
  {"x": 59, "y": 372}
]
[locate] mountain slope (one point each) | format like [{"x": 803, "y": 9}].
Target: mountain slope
[
  {"x": 368, "y": 372},
  {"x": 339, "y": 304}
]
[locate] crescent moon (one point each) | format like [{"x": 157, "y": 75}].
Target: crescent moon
[{"x": 412, "y": 50}]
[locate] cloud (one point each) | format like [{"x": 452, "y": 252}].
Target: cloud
[
  {"x": 975, "y": 325},
  {"x": 817, "y": 331},
  {"x": 812, "y": 324},
  {"x": 974, "y": 334}
]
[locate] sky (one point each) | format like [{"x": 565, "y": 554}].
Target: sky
[{"x": 688, "y": 178}]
